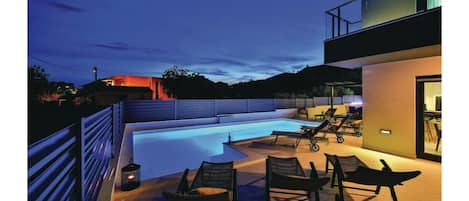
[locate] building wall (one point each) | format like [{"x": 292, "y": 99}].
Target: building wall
[
  {"x": 379, "y": 11},
  {"x": 155, "y": 84},
  {"x": 105, "y": 98},
  {"x": 389, "y": 103}
]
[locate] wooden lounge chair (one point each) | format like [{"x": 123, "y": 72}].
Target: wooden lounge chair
[
  {"x": 210, "y": 179},
  {"x": 352, "y": 169},
  {"x": 308, "y": 133},
  {"x": 287, "y": 174}
]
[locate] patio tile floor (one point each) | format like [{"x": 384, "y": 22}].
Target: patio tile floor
[{"x": 251, "y": 171}]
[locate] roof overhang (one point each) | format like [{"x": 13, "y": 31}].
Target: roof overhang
[
  {"x": 428, "y": 51},
  {"x": 414, "y": 36}
]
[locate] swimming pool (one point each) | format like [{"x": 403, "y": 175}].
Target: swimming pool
[{"x": 167, "y": 151}]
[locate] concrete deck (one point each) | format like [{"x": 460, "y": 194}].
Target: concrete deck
[{"x": 251, "y": 171}]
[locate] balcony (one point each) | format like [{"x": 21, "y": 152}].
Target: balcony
[{"x": 349, "y": 45}]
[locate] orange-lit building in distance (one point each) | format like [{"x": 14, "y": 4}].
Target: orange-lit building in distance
[{"x": 154, "y": 83}]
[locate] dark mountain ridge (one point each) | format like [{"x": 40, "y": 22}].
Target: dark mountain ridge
[{"x": 310, "y": 81}]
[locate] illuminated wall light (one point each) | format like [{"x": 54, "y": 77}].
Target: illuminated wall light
[{"x": 385, "y": 131}]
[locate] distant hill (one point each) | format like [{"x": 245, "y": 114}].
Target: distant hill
[{"x": 308, "y": 82}]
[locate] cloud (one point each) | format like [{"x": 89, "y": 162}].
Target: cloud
[
  {"x": 213, "y": 72},
  {"x": 153, "y": 51},
  {"x": 288, "y": 59},
  {"x": 114, "y": 46},
  {"x": 121, "y": 46},
  {"x": 246, "y": 78},
  {"x": 65, "y": 7},
  {"x": 222, "y": 61},
  {"x": 269, "y": 68},
  {"x": 297, "y": 67}
]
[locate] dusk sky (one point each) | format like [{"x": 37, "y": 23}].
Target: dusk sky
[{"x": 227, "y": 41}]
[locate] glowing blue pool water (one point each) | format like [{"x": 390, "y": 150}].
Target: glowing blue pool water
[{"x": 167, "y": 151}]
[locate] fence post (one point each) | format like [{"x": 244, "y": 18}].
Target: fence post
[
  {"x": 81, "y": 163},
  {"x": 247, "y": 105},
  {"x": 115, "y": 125},
  {"x": 215, "y": 112},
  {"x": 175, "y": 109}
]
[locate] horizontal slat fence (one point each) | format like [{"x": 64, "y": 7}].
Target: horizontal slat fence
[
  {"x": 72, "y": 163},
  {"x": 149, "y": 110},
  {"x": 190, "y": 109},
  {"x": 96, "y": 149},
  {"x": 261, "y": 105},
  {"x": 157, "y": 110},
  {"x": 231, "y": 106},
  {"x": 52, "y": 166}
]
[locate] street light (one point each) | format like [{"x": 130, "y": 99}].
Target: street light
[{"x": 95, "y": 72}]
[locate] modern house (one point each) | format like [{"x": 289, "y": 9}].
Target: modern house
[
  {"x": 154, "y": 83},
  {"x": 398, "y": 45}
]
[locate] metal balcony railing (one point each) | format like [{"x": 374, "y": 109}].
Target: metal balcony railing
[{"x": 343, "y": 19}]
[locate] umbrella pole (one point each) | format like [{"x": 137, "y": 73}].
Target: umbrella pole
[{"x": 332, "y": 97}]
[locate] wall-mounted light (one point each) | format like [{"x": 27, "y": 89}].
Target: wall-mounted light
[{"x": 385, "y": 131}]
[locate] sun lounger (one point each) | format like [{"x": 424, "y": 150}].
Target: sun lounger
[
  {"x": 333, "y": 128},
  {"x": 307, "y": 133},
  {"x": 352, "y": 169}
]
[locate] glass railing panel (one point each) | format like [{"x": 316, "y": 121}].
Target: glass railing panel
[{"x": 433, "y": 4}]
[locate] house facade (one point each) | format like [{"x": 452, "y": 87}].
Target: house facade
[
  {"x": 154, "y": 83},
  {"x": 398, "y": 47}
]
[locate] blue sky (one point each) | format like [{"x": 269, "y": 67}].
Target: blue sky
[{"x": 224, "y": 40}]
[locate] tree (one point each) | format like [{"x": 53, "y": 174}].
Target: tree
[
  {"x": 182, "y": 83},
  {"x": 38, "y": 82}
]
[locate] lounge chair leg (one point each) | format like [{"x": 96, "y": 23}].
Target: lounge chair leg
[
  {"x": 333, "y": 178},
  {"x": 267, "y": 180},
  {"x": 275, "y": 140},
  {"x": 393, "y": 193},
  {"x": 297, "y": 143},
  {"x": 341, "y": 189},
  {"x": 378, "y": 188},
  {"x": 327, "y": 166},
  {"x": 316, "y": 195}
]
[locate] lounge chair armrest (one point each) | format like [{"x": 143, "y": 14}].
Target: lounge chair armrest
[
  {"x": 385, "y": 165},
  {"x": 183, "y": 185},
  {"x": 297, "y": 182},
  {"x": 314, "y": 173}
]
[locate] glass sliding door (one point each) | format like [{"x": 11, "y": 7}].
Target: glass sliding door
[{"x": 429, "y": 127}]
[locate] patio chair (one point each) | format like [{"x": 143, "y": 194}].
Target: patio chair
[
  {"x": 211, "y": 179},
  {"x": 337, "y": 198},
  {"x": 309, "y": 133},
  {"x": 287, "y": 174},
  {"x": 352, "y": 169},
  {"x": 333, "y": 128},
  {"x": 438, "y": 134}
]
